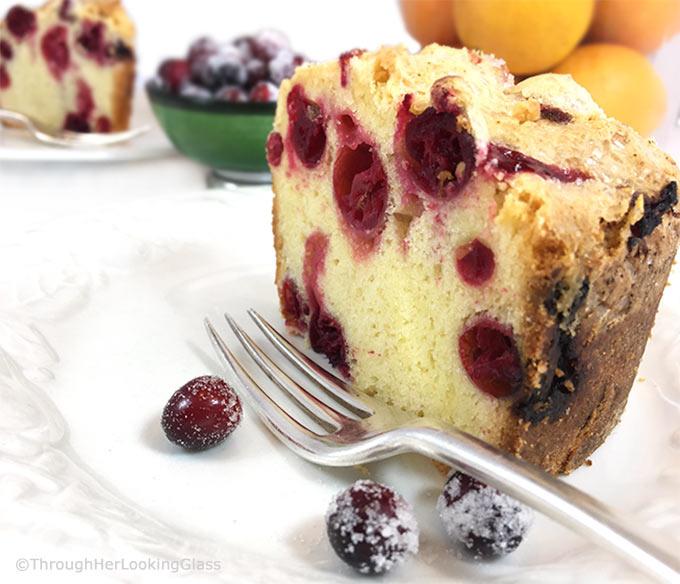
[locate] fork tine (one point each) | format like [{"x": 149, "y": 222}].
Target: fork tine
[
  {"x": 278, "y": 420},
  {"x": 333, "y": 386},
  {"x": 320, "y": 413}
]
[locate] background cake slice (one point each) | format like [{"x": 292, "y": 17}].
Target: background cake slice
[
  {"x": 69, "y": 64},
  {"x": 487, "y": 253}
]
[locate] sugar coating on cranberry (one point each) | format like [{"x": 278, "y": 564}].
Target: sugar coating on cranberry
[
  {"x": 54, "y": 47},
  {"x": 488, "y": 523},
  {"x": 442, "y": 156},
  {"x": 264, "y": 91},
  {"x": 202, "y": 413},
  {"x": 274, "y": 148},
  {"x": 282, "y": 66},
  {"x": 307, "y": 127},
  {"x": 490, "y": 357},
  {"x": 371, "y": 527},
  {"x": 230, "y": 93},
  {"x": 360, "y": 188},
  {"x": 475, "y": 263},
  {"x": 21, "y": 21}
]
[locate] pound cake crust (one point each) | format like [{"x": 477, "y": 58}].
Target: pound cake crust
[
  {"x": 69, "y": 64},
  {"x": 487, "y": 253}
]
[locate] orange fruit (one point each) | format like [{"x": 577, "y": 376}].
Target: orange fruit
[
  {"x": 621, "y": 81},
  {"x": 530, "y": 35},
  {"x": 640, "y": 24},
  {"x": 429, "y": 21}
]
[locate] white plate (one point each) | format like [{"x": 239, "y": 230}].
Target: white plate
[
  {"x": 93, "y": 341},
  {"x": 18, "y": 145}
]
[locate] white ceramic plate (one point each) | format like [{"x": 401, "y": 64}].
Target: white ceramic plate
[
  {"x": 95, "y": 338},
  {"x": 18, "y": 145}
]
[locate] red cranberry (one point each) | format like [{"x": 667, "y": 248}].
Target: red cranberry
[
  {"x": 293, "y": 307},
  {"x": 103, "y": 125},
  {"x": 55, "y": 50},
  {"x": 491, "y": 358},
  {"x": 91, "y": 39},
  {"x": 371, "y": 527},
  {"x": 76, "y": 122},
  {"x": 257, "y": 71},
  {"x": 511, "y": 161},
  {"x": 4, "y": 77},
  {"x": 274, "y": 148},
  {"x": 84, "y": 99},
  {"x": 475, "y": 263},
  {"x": 66, "y": 10},
  {"x": 485, "y": 521},
  {"x": 360, "y": 188},
  {"x": 21, "y": 21},
  {"x": 202, "y": 46},
  {"x": 555, "y": 114},
  {"x": 283, "y": 65},
  {"x": 442, "y": 156},
  {"x": 231, "y": 93},
  {"x": 174, "y": 73},
  {"x": 306, "y": 126},
  {"x": 6, "y": 51},
  {"x": 264, "y": 91},
  {"x": 266, "y": 44},
  {"x": 344, "y": 64},
  {"x": 202, "y": 413},
  {"x": 326, "y": 337}
]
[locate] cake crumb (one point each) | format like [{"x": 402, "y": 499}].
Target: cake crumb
[
  {"x": 588, "y": 462},
  {"x": 641, "y": 379}
]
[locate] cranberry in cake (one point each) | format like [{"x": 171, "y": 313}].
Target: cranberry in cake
[
  {"x": 486, "y": 253},
  {"x": 69, "y": 64}
]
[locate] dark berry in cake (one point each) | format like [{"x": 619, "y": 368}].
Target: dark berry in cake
[
  {"x": 202, "y": 413},
  {"x": 174, "y": 73},
  {"x": 475, "y": 263},
  {"x": 307, "y": 127},
  {"x": 485, "y": 521},
  {"x": 103, "y": 124},
  {"x": 21, "y": 21},
  {"x": 54, "y": 46},
  {"x": 92, "y": 41},
  {"x": 77, "y": 122},
  {"x": 491, "y": 359},
  {"x": 5, "y": 81},
  {"x": 264, "y": 91},
  {"x": 371, "y": 527},
  {"x": 274, "y": 148},
  {"x": 6, "y": 51}
]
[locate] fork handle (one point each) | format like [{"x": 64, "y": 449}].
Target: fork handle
[{"x": 547, "y": 494}]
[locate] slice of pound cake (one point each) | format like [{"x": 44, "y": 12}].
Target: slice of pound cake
[
  {"x": 69, "y": 64},
  {"x": 487, "y": 253}
]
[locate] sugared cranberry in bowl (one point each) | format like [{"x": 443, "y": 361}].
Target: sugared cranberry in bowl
[{"x": 201, "y": 413}]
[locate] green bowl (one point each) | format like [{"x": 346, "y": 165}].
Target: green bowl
[{"x": 228, "y": 137}]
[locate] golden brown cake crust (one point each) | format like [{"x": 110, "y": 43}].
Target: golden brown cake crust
[{"x": 124, "y": 84}]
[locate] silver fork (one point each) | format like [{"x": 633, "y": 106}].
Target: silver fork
[
  {"x": 67, "y": 139},
  {"x": 358, "y": 430}
]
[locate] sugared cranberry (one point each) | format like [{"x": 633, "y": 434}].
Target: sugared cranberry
[
  {"x": 491, "y": 358},
  {"x": 6, "y": 51},
  {"x": 91, "y": 39},
  {"x": 202, "y": 413},
  {"x": 326, "y": 337},
  {"x": 264, "y": 91},
  {"x": 307, "y": 127},
  {"x": 485, "y": 521},
  {"x": 274, "y": 148},
  {"x": 511, "y": 161},
  {"x": 21, "y": 21},
  {"x": 475, "y": 263},
  {"x": 231, "y": 93},
  {"x": 266, "y": 44},
  {"x": 442, "y": 156},
  {"x": 371, "y": 527},
  {"x": 293, "y": 307},
  {"x": 202, "y": 46},
  {"x": 103, "y": 125},
  {"x": 5, "y": 81},
  {"x": 196, "y": 92},
  {"x": 283, "y": 65},
  {"x": 257, "y": 71},
  {"x": 54, "y": 46},
  {"x": 344, "y": 64},
  {"x": 360, "y": 188},
  {"x": 174, "y": 73},
  {"x": 76, "y": 122}
]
